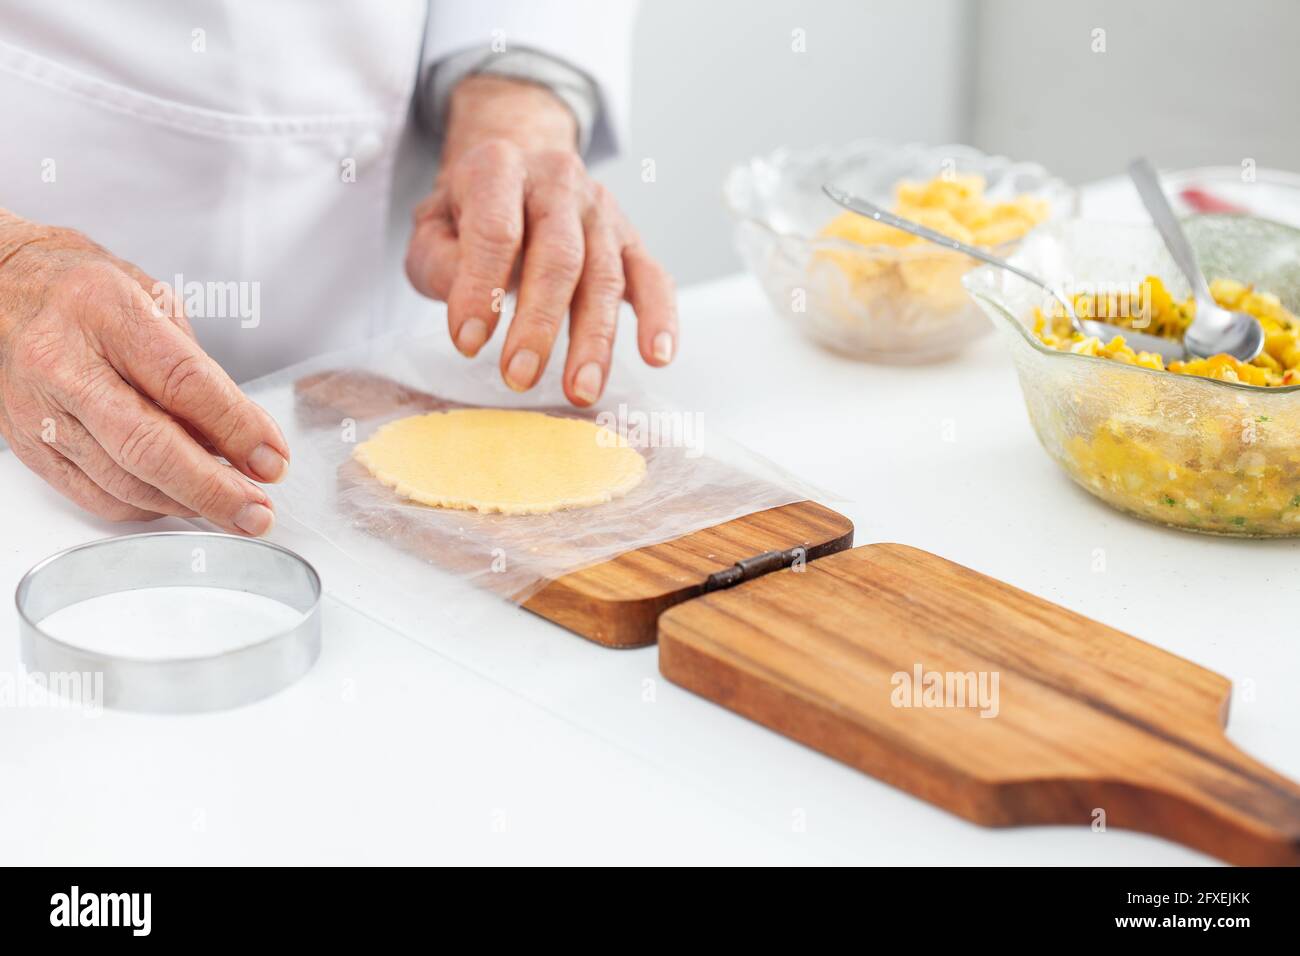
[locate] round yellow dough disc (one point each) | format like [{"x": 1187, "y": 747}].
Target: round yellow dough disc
[{"x": 499, "y": 460}]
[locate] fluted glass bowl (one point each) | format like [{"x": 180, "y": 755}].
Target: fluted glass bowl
[
  {"x": 1187, "y": 452},
  {"x": 881, "y": 303}
]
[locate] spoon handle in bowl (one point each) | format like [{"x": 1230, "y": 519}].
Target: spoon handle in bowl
[
  {"x": 869, "y": 209},
  {"x": 1153, "y": 197}
]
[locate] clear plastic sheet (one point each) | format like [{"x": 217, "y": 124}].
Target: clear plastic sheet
[{"x": 401, "y": 552}]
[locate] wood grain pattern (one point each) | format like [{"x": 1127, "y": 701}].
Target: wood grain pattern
[
  {"x": 1088, "y": 718},
  {"x": 618, "y": 603},
  {"x": 615, "y": 603}
]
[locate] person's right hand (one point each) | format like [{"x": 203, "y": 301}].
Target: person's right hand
[{"x": 105, "y": 393}]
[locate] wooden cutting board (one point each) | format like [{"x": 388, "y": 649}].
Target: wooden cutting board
[
  {"x": 616, "y": 603},
  {"x": 885, "y": 657},
  {"x": 875, "y": 656}
]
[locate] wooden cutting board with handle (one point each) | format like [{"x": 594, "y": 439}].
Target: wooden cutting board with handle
[
  {"x": 884, "y": 657},
  {"x": 1084, "y": 724}
]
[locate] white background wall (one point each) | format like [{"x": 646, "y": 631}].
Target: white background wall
[
  {"x": 1188, "y": 82},
  {"x": 716, "y": 81}
]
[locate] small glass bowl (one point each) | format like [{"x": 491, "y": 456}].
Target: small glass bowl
[
  {"x": 1187, "y": 452},
  {"x": 881, "y": 303}
]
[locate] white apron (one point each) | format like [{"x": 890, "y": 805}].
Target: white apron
[
  {"x": 260, "y": 151},
  {"x": 248, "y": 148}
]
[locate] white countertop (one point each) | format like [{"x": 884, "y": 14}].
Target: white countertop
[{"x": 512, "y": 740}]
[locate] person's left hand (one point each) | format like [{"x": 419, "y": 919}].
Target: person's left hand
[{"x": 514, "y": 204}]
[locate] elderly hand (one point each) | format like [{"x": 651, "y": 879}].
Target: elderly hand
[
  {"x": 106, "y": 395},
  {"x": 514, "y": 203}
]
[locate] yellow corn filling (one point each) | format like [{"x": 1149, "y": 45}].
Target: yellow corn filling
[
  {"x": 1277, "y": 364},
  {"x": 1221, "y": 464}
]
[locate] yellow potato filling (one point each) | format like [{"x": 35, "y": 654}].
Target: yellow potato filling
[{"x": 953, "y": 205}]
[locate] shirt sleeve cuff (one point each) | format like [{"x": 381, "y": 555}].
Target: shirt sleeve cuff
[{"x": 573, "y": 87}]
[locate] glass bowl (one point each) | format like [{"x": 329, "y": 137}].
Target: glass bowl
[
  {"x": 881, "y": 303},
  {"x": 1192, "y": 453},
  {"x": 1264, "y": 193}
]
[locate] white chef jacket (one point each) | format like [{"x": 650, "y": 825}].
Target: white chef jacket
[{"x": 265, "y": 153}]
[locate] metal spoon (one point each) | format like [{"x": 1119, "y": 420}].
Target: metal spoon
[
  {"x": 1170, "y": 349},
  {"x": 1214, "y": 329}
]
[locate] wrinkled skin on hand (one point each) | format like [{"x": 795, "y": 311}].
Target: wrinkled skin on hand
[
  {"x": 105, "y": 393},
  {"x": 514, "y": 206}
]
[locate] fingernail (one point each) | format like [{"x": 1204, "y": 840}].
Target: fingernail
[
  {"x": 522, "y": 370},
  {"x": 663, "y": 347},
  {"x": 254, "y": 519},
  {"x": 472, "y": 335},
  {"x": 586, "y": 384},
  {"x": 267, "y": 463}
]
